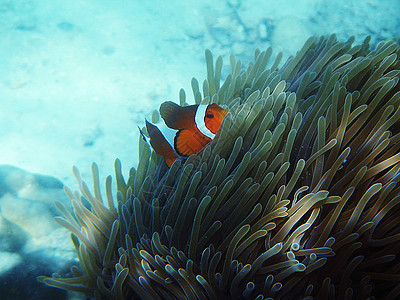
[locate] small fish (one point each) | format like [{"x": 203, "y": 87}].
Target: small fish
[{"x": 184, "y": 130}]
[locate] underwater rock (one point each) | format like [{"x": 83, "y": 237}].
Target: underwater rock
[
  {"x": 18, "y": 278},
  {"x": 12, "y": 237},
  {"x": 24, "y": 184},
  {"x": 35, "y": 221},
  {"x": 28, "y": 232},
  {"x": 27, "y": 205},
  {"x": 8, "y": 260}
]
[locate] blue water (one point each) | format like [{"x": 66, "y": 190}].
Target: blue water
[{"x": 78, "y": 77}]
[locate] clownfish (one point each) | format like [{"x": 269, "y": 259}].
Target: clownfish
[{"x": 184, "y": 130}]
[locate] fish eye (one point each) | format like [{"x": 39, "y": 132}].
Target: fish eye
[{"x": 210, "y": 116}]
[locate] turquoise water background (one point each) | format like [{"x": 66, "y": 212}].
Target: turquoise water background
[{"x": 78, "y": 77}]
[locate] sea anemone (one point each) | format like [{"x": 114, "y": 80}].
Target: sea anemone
[{"x": 296, "y": 197}]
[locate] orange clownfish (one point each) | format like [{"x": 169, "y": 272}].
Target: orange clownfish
[{"x": 185, "y": 129}]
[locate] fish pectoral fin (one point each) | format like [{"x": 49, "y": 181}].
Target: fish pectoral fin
[
  {"x": 188, "y": 142},
  {"x": 176, "y": 116}
]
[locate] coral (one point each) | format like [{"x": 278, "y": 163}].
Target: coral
[{"x": 297, "y": 196}]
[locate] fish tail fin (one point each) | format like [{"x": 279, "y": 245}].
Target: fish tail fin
[
  {"x": 160, "y": 144},
  {"x": 142, "y": 134}
]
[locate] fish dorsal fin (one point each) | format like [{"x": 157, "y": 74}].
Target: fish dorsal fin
[{"x": 176, "y": 116}]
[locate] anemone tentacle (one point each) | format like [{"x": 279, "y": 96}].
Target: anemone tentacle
[{"x": 296, "y": 196}]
